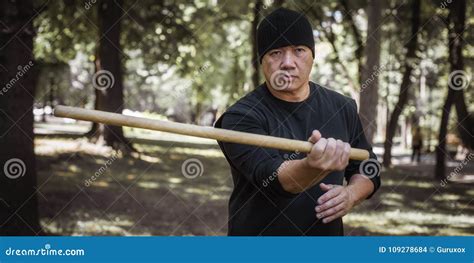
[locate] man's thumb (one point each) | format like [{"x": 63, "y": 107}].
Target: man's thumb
[
  {"x": 315, "y": 136},
  {"x": 325, "y": 187}
]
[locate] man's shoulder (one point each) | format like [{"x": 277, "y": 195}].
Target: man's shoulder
[
  {"x": 249, "y": 103},
  {"x": 332, "y": 94},
  {"x": 245, "y": 107},
  {"x": 338, "y": 99}
]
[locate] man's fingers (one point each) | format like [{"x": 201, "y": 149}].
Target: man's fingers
[
  {"x": 329, "y": 194},
  {"x": 330, "y": 148},
  {"x": 335, "y": 216},
  {"x": 319, "y": 148},
  {"x": 315, "y": 136},
  {"x": 338, "y": 152},
  {"x": 345, "y": 155},
  {"x": 331, "y": 212},
  {"x": 329, "y": 204},
  {"x": 326, "y": 187}
]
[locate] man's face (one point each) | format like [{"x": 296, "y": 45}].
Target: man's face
[{"x": 287, "y": 69}]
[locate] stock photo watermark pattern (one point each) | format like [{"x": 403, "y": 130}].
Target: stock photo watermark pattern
[
  {"x": 14, "y": 168},
  {"x": 88, "y": 182},
  {"x": 281, "y": 80},
  {"x": 192, "y": 168},
  {"x": 218, "y": 249},
  {"x": 459, "y": 80},
  {"x": 22, "y": 70},
  {"x": 192, "y": 59},
  {"x": 457, "y": 171},
  {"x": 46, "y": 251},
  {"x": 102, "y": 80}
]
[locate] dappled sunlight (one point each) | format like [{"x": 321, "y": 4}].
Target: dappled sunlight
[
  {"x": 74, "y": 168},
  {"x": 55, "y": 146},
  {"x": 405, "y": 205},
  {"x": 146, "y": 158},
  {"x": 446, "y": 197},
  {"x": 95, "y": 226},
  {"x": 394, "y": 196},
  {"x": 197, "y": 191},
  {"x": 410, "y": 183},
  {"x": 399, "y": 222},
  {"x": 391, "y": 202},
  {"x": 130, "y": 177},
  {"x": 466, "y": 178},
  {"x": 65, "y": 174},
  {"x": 148, "y": 185},
  {"x": 102, "y": 184},
  {"x": 175, "y": 180},
  {"x": 201, "y": 152}
]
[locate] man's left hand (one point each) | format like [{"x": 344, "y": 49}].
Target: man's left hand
[{"x": 336, "y": 202}]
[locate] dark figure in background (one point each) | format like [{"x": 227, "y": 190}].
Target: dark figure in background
[{"x": 417, "y": 145}]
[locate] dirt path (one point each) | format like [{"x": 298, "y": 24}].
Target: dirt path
[{"x": 86, "y": 190}]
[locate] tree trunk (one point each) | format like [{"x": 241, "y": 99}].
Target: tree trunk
[
  {"x": 465, "y": 122},
  {"x": 278, "y": 3},
  {"x": 441, "y": 153},
  {"x": 108, "y": 79},
  {"x": 18, "y": 200},
  {"x": 412, "y": 47},
  {"x": 359, "y": 52},
  {"x": 255, "y": 59},
  {"x": 369, "y": 95},
  {"x": 93, "y": 132},
  {"x": 456, "y": 25}
]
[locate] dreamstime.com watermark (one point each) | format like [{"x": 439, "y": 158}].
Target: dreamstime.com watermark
[
  {"x": 274, "y": 175},
  {"x": 280, "y": 80},
  {"x": 89, "y": 4},
  {"x": 457, "y": 170},
  {"x": 103, "y": 79},
  {"x": 459, "y": 80},
  {"x": 20, "y": 73},
  {"x": 192, "y": 168},
  {"x": 377, "y": 71},
  {"x": 88, "y": 182},
  {"x": 45, "y": 251},
  {"x": 205, "y": 67},
  {"x": 445, "y": 4},
  {"x": 14, "y": 168}
]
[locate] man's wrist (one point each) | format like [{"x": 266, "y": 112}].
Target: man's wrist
[
  {"x": 351, "y": 191},
  {"x": 360, "y": 188}
]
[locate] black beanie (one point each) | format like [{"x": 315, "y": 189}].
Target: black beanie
[{"x": 283, "y": 27}]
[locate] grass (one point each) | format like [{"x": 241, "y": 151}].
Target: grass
[{"x": 89, "y": 190}]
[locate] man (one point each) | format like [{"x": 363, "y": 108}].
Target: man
[
  {"x": 275, "y": 192},
  {"x": 417, "y": 145}
]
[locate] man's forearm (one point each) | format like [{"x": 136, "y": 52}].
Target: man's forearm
[
  {"x": 360, "y": 187},
  {"x": 296, "y": 176}
]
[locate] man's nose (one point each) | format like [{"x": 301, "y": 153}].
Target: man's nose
[{"x": 288, "y": 61}]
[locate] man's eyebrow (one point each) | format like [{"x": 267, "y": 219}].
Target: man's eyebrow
[{"x": 273, "y": 50}]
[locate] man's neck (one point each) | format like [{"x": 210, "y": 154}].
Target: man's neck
[{"x": 297, "y": 95}]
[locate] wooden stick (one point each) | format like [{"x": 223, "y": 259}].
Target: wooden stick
[{"x": 223, "y": 135}]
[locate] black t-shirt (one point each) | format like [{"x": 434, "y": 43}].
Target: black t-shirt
[{"x": 259, "y": 205}]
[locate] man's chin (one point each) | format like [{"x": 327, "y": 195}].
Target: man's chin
[{"x": 294, "y": 86}]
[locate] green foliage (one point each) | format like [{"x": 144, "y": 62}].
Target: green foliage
[{"x": 182, "y": 57}]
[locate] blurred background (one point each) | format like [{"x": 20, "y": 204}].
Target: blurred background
[{"x": 408, "y": 64}]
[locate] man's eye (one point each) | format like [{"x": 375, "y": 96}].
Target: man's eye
[
  {"x": 299, "y": 50},
  {"x": 273, "y": 53}
]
